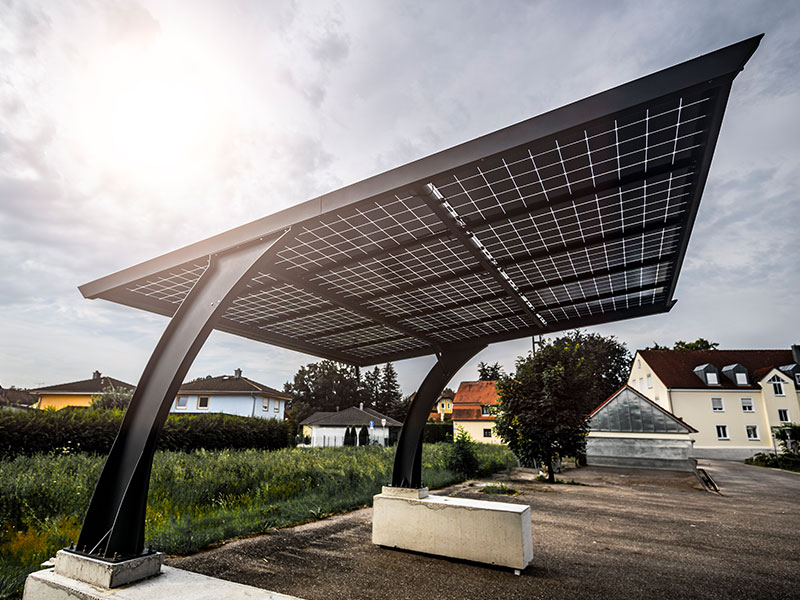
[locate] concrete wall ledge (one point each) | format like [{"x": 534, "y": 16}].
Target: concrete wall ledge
[
  {"x": 175, "y": 584},
  {"x": 496, "y": 533}
]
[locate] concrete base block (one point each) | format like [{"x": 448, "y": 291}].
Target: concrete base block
[
  {"x": 104, "y": 573},
  {"x": 174, "y": 584},
  {"x": 496, "y": 533}
]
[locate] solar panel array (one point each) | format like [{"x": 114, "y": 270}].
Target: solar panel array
[{"x": 582, "y": 226}]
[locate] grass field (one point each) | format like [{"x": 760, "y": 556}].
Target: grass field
[{"x": 198, "y": 499}]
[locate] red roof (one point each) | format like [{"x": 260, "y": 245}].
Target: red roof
[
  {"x": 482, "y": 393},
  {"x": 675, "y": 368}
]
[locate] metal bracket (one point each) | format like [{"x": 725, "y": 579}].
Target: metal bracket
[{"x": 407, "y": 471}]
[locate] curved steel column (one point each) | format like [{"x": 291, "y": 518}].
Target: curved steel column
[
  {"x": 114, "y": 523},
  {"x": 407, "y": 471}
]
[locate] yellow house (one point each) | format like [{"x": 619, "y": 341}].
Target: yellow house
[
  {"x": 443, "y": 410},
  {"x": 734, "y": 398},
  {"x": 473, "y": 410},
  {"x": 77, "y": 393}
]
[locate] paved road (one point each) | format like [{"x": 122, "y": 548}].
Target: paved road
[{"x": 623, "y": 534}]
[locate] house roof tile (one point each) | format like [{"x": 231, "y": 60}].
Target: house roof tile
[
  {"x": 95, "y": 385},
  {"x": 675, "y": 368},
  {"x": 230, "y": 383},
  {"x": 349, "y": 417},
  {"x": 475, "y": 392}
]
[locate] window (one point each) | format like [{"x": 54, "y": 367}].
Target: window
[
  {"x": 783, "y": 415},
  {"x": 202, "y": 403},
  {"x": 722, "y": 432},
  {"x": 486, "y": 410},
  {"x": 741, "y": 379},
  {"x": 747, "y": 405},
  {"x": 752, "y": 432},
  {"x": 777, "y": 385},
  {"x": 487, "y": 433},
  {"x": 712, "y": 379},
  {"x": 181, "y": 402},
  {"x": 276, "y": 405},
  {"x": 716, "y": 405},
  {"x": 649, "y": 381},
  {"x": 265, "y": 404}
]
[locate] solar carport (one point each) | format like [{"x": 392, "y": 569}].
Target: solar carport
[{"x": 579, "y": 216}]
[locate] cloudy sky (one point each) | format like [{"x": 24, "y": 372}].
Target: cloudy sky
[{"x": 128, "y": 129}]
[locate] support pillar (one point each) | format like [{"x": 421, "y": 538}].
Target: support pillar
[
  {"x": 407, "y": 471},
  {"x": 114, "y": 523}
]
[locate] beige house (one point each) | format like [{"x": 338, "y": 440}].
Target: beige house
[
  {"x": 473, "y": 410},
  {"x": 733, "y": 397}
]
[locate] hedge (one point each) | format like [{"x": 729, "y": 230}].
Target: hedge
[
  {"x": 438, "y": 432},
  {"x": 83, "y": 430}
]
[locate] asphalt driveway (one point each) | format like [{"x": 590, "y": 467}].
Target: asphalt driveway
[{"x": 622, "y": 533}]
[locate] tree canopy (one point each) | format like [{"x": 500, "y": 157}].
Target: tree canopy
[
  {"x": 331, "y": 386},
  {"x": 488, "y": 372},
  {"x": 113, "y": 399},
  {"x": 698, "y": 344},
  {"x": 542, "y": 407}
]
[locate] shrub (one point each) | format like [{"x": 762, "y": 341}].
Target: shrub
[
  {"x": 462, "y": 458},
  {"x": 73, "y": 430},
  {"x": 437, "y": 432}
]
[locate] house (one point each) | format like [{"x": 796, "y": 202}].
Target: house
[
  {"x": 232, "y": 395},
  {"x": 16, "y": 399},
  {"x": 78, "y": 393},
  {"x": 473, "y": 410},
  {"x": 733, "y": 397},
  {"x": 629, "y": 430},
  {"x": 329, "y": 428},
  {"x": 443, "y": 410}
]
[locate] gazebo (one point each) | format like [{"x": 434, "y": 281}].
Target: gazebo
[{"x": 576, "y": 217}]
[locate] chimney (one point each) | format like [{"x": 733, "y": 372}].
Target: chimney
[
  {"x": 96, "y": 375},
  {"x": 238, "y": 373},
  {"x": 360, "y": 406},
  {"x": 796, "y": 353}
]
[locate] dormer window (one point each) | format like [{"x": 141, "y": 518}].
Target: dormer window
[
  {"x": 708, "y": 373},
  {"x": 736, "y": 373},
  {"x": 777, "y": 385}
]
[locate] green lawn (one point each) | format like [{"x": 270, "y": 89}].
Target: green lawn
[{"x": 200, "y": 498}]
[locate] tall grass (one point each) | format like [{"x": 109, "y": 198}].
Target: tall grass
[{"x": 200, "y": 498}]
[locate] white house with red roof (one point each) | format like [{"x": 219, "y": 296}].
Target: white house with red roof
[
  {"x": 473, "y": 410},
  {"x": 232, "y": 395},
  {"x": 734, "y": 398}
]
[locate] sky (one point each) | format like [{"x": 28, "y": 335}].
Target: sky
[{"x": 129, "y": 129}]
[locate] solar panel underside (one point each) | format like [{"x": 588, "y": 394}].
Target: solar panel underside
[{"x": 587, "y": 225}]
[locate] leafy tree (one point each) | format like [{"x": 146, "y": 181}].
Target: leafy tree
[
  {"x": 400, "y": 408},
  {"x": 542, "y": 407},
  {"x": 113, "y": 399},
  {"x": 789, "y": 437},
  {"x": 322, "y": 386},
  {"x": 698, "y": 344},
  {"x": 489, "y": 372}
]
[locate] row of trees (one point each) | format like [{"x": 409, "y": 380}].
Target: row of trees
[{"x": 331, "y": 386}]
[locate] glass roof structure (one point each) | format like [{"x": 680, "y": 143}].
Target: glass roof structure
[{"x": 576, "y": 217}]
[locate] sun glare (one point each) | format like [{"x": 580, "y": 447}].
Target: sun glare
[{"x": 152, "y": 112}]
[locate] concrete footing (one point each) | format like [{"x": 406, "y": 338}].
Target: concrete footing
[
  {"x": 172, "y": 583},
  {"x": 107, "y": 574},
  {"x": 496, "y": 533}
]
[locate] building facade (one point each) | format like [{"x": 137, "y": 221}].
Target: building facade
[
  {"x": 443, "y": 410},
  {"x": 78, "y": 393},
  {"x": 232, "y": 395},
  {"x": 734, "y": 398},
  {"x": 323, "y": 429},
  {"x": 473, "y": 410}
]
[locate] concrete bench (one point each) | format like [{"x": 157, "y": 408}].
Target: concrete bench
[{"x": 496, "y": 533}]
